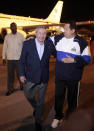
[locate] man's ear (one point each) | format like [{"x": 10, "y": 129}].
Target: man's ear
[{"x": 73, "y": 30}]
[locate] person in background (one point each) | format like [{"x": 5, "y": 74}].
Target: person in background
[
  {"x": 12, "y": 47},
  {"x": 3, "y": 33},
  {"x": 34, "y": 71},
  {"x": 72, "y": 56},
  {"x": 92, "y": 48}
]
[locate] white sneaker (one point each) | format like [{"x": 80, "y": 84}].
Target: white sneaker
[{"x": 55, "y": 123}]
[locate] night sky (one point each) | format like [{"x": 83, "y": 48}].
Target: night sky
[{"x": 77, "y": 10}]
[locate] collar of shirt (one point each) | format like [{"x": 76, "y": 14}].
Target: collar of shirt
[{"x": 14, "y": 34}]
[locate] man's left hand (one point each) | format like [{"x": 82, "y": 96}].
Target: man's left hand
[{"x": 69, "y": 59}]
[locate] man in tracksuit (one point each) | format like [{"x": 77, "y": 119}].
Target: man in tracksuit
[{"x": 72, "y": 56}]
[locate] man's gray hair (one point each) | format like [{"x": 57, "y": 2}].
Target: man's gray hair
[{"x": 40, "y": 26}]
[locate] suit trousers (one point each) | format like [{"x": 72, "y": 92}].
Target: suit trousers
[
  {"x": 35, "y": 94},
  {"x": 12, "y": 66}
]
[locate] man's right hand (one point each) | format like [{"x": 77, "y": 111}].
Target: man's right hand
[
  {"x": 4, "y": 62},
  {"x": 23, "y": 79}
]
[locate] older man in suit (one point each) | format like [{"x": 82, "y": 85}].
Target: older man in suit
[{"x": 34, "y": 71}]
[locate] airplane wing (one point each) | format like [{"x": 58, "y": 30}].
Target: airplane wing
[
  {"x": 85, "y": 27},
  {"x": 31, "y": 28}
]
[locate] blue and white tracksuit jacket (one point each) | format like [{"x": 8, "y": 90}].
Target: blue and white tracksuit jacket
[{"x": 75, "y": 47}]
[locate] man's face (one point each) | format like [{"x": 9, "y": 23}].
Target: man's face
[
  {"x": 13, "y": 28},
  {"x": 68, "y": 33},
  {"x": 41, "y": 35}
]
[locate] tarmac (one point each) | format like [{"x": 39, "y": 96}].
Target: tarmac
[{"x": 16, "y": 112}]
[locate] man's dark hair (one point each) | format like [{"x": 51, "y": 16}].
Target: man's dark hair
[
  {"x": 13, "y": 23},
  {"x": 72, "y": 24}
]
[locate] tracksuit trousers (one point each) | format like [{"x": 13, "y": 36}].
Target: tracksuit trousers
[{"x": 60, "y": 93}]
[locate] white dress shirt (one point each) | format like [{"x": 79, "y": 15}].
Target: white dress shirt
[
  {"x": 12, "y": 46},
  {"x": 40, "y": 48}
]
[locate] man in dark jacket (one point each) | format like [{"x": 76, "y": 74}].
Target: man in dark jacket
[
  {"x": 72, "y": 56},
  {"x": 34, "y": 71}
]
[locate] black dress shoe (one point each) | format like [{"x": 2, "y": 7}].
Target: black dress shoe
[
  {"x": 9, "y": 93},
  {"x": 38, "y": 127},
  {"x": 21, "y": 87},
  {"x": 34, "y": 113}
]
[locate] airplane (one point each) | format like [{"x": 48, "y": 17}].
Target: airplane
[{"x": 28, "y": 24}]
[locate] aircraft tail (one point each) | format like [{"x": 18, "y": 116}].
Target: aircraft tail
[{"x": 55, "y": 14}]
